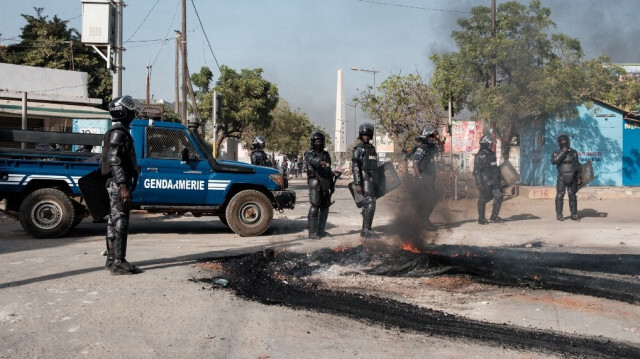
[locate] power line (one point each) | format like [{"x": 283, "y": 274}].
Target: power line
[
  {"x": 205, "y": 35},
  {"x": 166, "y": 36},
  {"x": 143, "y": 21},
  {"x": 412, "y": 7}
]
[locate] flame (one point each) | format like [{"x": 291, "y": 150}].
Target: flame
[
  {"x": 340, "y": 249},
  {"x": 410, "y": 247}
]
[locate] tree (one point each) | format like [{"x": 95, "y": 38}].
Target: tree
[
  {"x": 403, "y": 106},
  {"x": 247, "y": 100},
  {"x": 52, "y": 45},
  {"x": 538, "y": 75},
  {"x": 289, "y": 131}
]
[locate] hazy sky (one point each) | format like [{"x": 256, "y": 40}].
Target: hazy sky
[{"x": 301, "y": 44}]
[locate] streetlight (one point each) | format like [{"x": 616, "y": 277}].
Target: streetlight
[
  {"x": 355, "y": 114},
  {"x": 373, "y": 72}
]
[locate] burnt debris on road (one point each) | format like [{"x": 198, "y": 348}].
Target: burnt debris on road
[{"x": 285, "y": 279}]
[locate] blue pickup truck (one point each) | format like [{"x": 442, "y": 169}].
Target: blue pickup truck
[{"x": 178, "y": 175}]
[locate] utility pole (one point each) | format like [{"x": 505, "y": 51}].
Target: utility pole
[
  {"x": 185, "y": 73},
  {"x": 117, "y": 71},
  {"x": 176, "y": 106},
  {"x": 148, "y": 80},
  {"x": 493, "y": 35}
]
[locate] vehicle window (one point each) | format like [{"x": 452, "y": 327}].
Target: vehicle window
[{"x": 163, "y": 143}]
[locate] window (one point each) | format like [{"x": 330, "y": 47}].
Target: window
[{"x": 168, "y": 144}]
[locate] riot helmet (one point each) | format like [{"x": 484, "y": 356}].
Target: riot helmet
[
  {"x": 259, "y": 142},
  {"x": 317, "y": 135},
  {"x": 123, "y": 109},
  {"x": 428, "y": 133},
  {"x": 366, "y": 129},
  {"x": 563, "y": 141},
  {"x": 486, "y": 141}
]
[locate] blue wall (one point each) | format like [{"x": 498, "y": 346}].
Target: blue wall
[
  {"x": 631, "y": 154},
  {"x": 596, "y": 133}
]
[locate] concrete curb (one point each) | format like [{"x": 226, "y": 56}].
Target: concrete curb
[{"x": 549, "y": 192}]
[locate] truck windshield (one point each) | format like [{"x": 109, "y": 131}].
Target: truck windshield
[{"x": 205, "y": 148}]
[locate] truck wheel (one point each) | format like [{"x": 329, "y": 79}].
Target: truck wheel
[
  {"x": 47, "y": 213},
  {"x": 223, "y": 219},
  {"x": 249, "y": 213}
]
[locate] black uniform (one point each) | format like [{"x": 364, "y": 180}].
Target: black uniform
[
  {"x": 569, "y": 174},
  {"x": 321, "y": 186},
  {"x": 364, "y": 167},
  {"x": 488, "y": 181},
  {"x": 120, "y": 166},
  {"x": 259, "y": 158},
  {"x": 425, "y": 159}
]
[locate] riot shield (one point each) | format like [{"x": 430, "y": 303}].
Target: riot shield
[
  {"x": 94, "y": 191},
  {"x": 587, "y": 174},
  {"x": 387, "y": 181},
  {"x": 356, "y": 196},
  {"x": 509, "y": 173}
]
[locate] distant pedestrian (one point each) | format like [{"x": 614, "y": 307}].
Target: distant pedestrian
[{"x": 569, "y": 176}]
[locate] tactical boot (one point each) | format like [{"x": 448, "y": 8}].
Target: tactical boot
[
  {"x": 559, "y": 217},
  {"x": 313, "y": 227},
  {"x": 322, "y": 222},
  {"x": 482, "y": 221},
  {"x": 110, "y": 253},
  {"x": 368, "y": 233},
  {"x": 121, "y": 266},
  {"x": 496, "y": 219},
  {"x": 573, "y": 206}
]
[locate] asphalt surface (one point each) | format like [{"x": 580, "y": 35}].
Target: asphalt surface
[{"x": 56, "y": 300}]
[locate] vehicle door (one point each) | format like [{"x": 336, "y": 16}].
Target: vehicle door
[{"x": 172, "y": 171}]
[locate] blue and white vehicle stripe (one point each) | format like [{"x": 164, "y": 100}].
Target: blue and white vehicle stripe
[{"x": 217, "y": 185}]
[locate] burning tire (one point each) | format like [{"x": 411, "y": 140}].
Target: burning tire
[
  {"x": 47, "y": 213},
  {"x": 249, "y": 213}
]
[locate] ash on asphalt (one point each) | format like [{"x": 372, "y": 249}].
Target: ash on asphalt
[{"x": 281, "y": 278}]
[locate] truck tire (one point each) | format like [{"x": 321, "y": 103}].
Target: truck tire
[
  {"x": 223, "y": 219},
  {"x": 249, "y": 213},
  {"x": 47, "y": 213}
]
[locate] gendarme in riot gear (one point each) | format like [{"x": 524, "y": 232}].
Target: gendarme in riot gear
[
  {"x": 364, "y": 167},
  {"x": 321, "y": 185},
  {"x": 120, "y": 167},
  {"x": 424, "y": 167},
  {"x": 258, "y": 156},
  {"x": 488, "y": 180},
  {"x": 569, "y": 176}
]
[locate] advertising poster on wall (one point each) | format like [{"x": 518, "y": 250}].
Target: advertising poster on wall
[{"x": 465, "y": 136}]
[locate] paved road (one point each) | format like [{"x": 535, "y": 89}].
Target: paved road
[{"x": 57, "y": 301}]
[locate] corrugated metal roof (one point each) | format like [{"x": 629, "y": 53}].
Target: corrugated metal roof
[{"x": 56, "y": 110}]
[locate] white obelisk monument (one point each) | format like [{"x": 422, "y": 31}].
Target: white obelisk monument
[{"x": 340, "y": 142}]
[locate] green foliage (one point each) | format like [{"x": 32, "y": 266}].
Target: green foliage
[
  {"x": 202, "y": 81},
  {"x": 247, "y": 100},
  {"x": 538, "y": 75},
  {"x": 50, "y": 44},
  {"x": 288, "y": 134},
  {"x": 169, "y": 115},
  {"x": 402, "y": 106}
]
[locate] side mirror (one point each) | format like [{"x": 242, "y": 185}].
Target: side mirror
[{"x": 184, "y": 155}]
